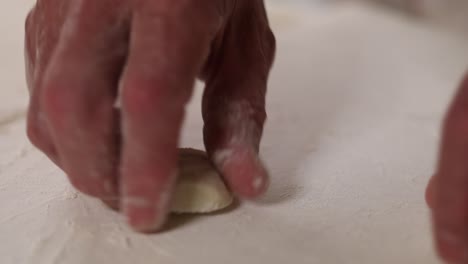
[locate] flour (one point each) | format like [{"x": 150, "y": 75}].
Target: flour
[{"x": 348, "y": 159}]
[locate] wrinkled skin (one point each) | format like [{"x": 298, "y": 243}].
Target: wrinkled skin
[
  {"x": 447, "y": 192},
  {"x": 82, "y": 54}
]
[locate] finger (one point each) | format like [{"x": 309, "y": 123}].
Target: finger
[
  {"x": 166, "y": 56},
  {"x": 234, "y": 102},
  {"x": 78, "y": 94},
  {"x": 232, "y": 135},
  {"x": 38, "y": 52},
  {"x": 450, "y": 212}
]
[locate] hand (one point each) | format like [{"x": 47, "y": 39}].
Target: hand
[
  {"x": 82, "y": 54},
  {"x": 447, "y": 192}
]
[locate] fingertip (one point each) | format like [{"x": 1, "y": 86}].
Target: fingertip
[
  {"x": 143, "y": 215},
  {"x": 243, "y": 170}
]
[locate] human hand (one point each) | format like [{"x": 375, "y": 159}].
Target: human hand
[
  {"x": 447, "y": 192},
  {"x": 82, "y": 54}
]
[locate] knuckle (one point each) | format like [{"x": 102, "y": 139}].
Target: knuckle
[{"x": 140, "y": 97}]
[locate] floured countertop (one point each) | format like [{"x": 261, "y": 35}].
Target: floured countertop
[{"x": 355, "y": 102}]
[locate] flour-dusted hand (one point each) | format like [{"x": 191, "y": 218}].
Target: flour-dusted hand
[
  {"x": 447, "y": 192},
  {"x": 82, "y": 54}
]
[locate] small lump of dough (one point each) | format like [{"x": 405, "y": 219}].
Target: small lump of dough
[{"x": 199, "y": 188}]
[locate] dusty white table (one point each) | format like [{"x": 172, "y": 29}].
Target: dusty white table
[{"x": 355, "y": 102}]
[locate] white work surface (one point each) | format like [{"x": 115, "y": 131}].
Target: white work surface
[{"x": 354, "y": 105}]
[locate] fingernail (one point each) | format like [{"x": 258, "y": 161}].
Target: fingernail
[{"x": 243, "y": 170}]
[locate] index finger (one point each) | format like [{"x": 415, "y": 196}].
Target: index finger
[{"x": 167, "y": 53}]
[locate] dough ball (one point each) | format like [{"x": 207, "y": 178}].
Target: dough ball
[{"x": 199, "y": 188}]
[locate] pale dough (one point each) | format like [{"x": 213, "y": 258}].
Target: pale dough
[{"x": 199, "y": 188}]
